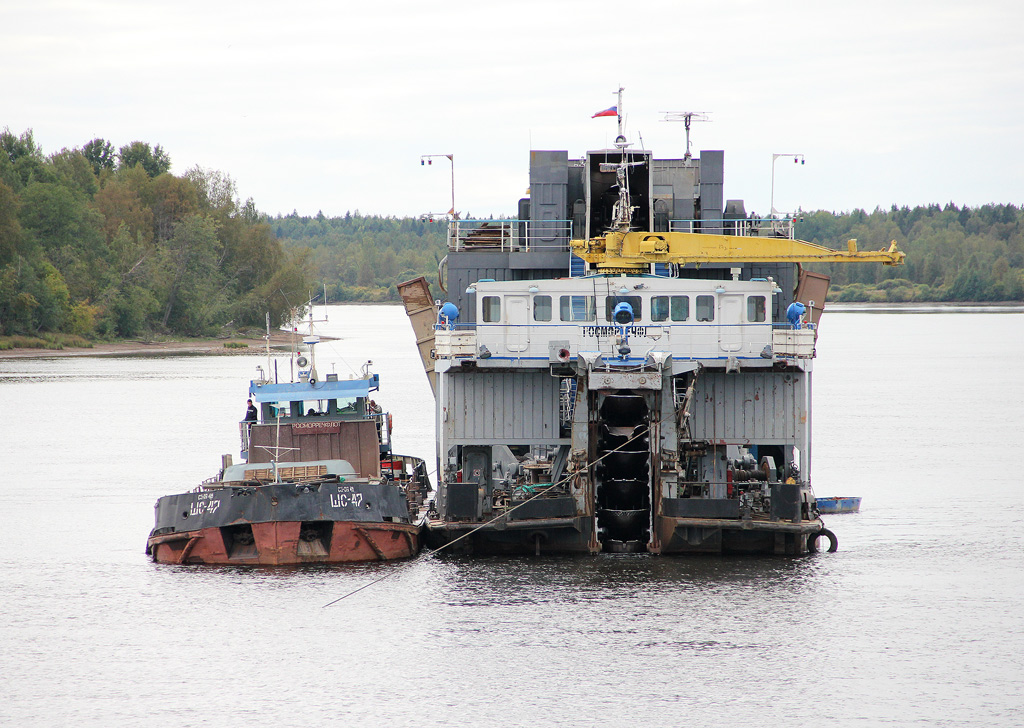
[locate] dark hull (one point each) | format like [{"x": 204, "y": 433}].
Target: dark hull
[
  {"x": 534, "y": 536},
  {"x": 575, "y": 536},
  {"x": 726, "y": 536},
  {"x": 285, "y": 523}
]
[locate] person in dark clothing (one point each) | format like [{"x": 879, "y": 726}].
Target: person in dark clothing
[{"x": 251, "y": 413}]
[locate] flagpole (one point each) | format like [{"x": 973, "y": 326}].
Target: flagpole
[{"x": 618, "y": 109}]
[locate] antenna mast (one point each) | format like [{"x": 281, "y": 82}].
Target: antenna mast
[{"x": 687, "y": 117}]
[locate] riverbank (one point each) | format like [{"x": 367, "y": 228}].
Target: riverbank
[
  {"x": 909, "y": 307},
  {"x": 234, "y": 345}
]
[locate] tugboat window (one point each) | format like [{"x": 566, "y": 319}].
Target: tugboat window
[
  {"x": 755, "y": 308},
  {"x": 492, "y": 309},
  {"x": 542, "y": 308},
  {"x": 577, "y": 308},
  {"x": 680, "y": 308},
  {"x": 610, "y": 302},
  {"x": 705, "y": 308}
]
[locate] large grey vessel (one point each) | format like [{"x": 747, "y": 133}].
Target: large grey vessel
[{"x": 626, "y": 367}]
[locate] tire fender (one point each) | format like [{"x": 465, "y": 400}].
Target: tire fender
[{"x": 812, "y": 541}]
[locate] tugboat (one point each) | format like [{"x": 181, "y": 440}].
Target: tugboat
[
  {"x": 627, "y": 366},
  {"x": 319, "y": 482}
]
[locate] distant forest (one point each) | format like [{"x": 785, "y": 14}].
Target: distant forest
[
  {"x": 98, "y": 242},
  {"x": 361, "y": 258},
  {"x": 953, "y": 253}
]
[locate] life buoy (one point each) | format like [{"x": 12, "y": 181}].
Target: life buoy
[{"x": 812, "y": 541}]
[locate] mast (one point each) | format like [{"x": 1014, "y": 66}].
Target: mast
[
  {"x": 623, "y": 212},
  {"x": 618, "y": 109}
]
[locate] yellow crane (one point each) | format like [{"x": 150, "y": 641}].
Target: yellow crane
[{"x": 633, "y": 252}]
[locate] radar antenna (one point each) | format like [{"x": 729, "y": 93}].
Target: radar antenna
[{"x": 687, "y": 117}]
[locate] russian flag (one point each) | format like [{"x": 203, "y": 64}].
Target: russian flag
[{"x": 611, "y": 111}]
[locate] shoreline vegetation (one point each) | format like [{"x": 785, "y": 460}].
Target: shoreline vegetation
[{"x": 107, "y": 244}]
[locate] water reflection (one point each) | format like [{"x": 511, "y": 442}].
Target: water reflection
[{"x": 508, "y": 581}]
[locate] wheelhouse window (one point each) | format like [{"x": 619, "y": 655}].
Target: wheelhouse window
[
  {"x": 491, "y": 309},
  {"x": 542, "y": 308},
  {"x": 664, "y": 307},
  {"x": 756, "y": 310},
  {"x": 659, "y": 308},
  {"x": 577, "y": 308},
  {"x": 705, "y": 308},
  {"x": 610, "y": 302},
  {"x": 680, "y": 308}
]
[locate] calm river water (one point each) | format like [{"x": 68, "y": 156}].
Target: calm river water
[{"x": 917, "y": 620}]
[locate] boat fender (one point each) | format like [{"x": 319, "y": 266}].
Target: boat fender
[{"x": 812, "y": 541}]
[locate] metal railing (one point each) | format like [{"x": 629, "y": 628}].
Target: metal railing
[
  {"x": 509, "y": 235},
  {"x": 760, "y": 227},
  {"x": 244, "y": 429},
  {"x": 554, "y": 235}
]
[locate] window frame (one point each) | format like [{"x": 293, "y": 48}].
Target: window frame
[
  {"x": 486, "y": 306},
  {"x": 702, "y": 301},
  {"x": 763, "y": 311},
  {"x": 550, "y": 307},
  {"x": 567, "y": 304}
]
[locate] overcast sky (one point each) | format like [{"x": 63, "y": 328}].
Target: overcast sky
[{"x": 328, "y": 105}]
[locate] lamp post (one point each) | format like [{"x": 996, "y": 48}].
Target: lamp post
[
  {"x": 429, "y": 159},
  {"x": 796, "y": 158}
]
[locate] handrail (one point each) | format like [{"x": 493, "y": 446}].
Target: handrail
[
  {"x": 786, "y": 326},
  {"x": 771, "y": 227},
  {"x": 510, "y": 235}
]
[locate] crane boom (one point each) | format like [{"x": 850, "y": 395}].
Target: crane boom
[{"x": 635, "y": 251}]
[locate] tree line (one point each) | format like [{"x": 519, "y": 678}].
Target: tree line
[
  {"x": 106, "y": 243},
  {"x": 362, "y": 258},
  {"x": 953, "y": 253}
]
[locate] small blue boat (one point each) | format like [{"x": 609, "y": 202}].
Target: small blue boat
[{"x": 838, "y": 504}]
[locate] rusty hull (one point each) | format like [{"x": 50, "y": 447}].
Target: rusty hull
[{"x": 279, "y": 544}]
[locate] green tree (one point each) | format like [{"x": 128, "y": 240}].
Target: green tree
[
  {"x": 24, "y": 158},
  {"x": 73, "y": 170},
  {"x": 171, "y": 199},
  {"x": 10, "y": 226},
  {"x": 197, "y": 291},
  {"x": 67, "y": 230},
  {"x": 100, "y": 154},
  {"x": 21, "y": 146},
  {"x": 153, "y": 159}
]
